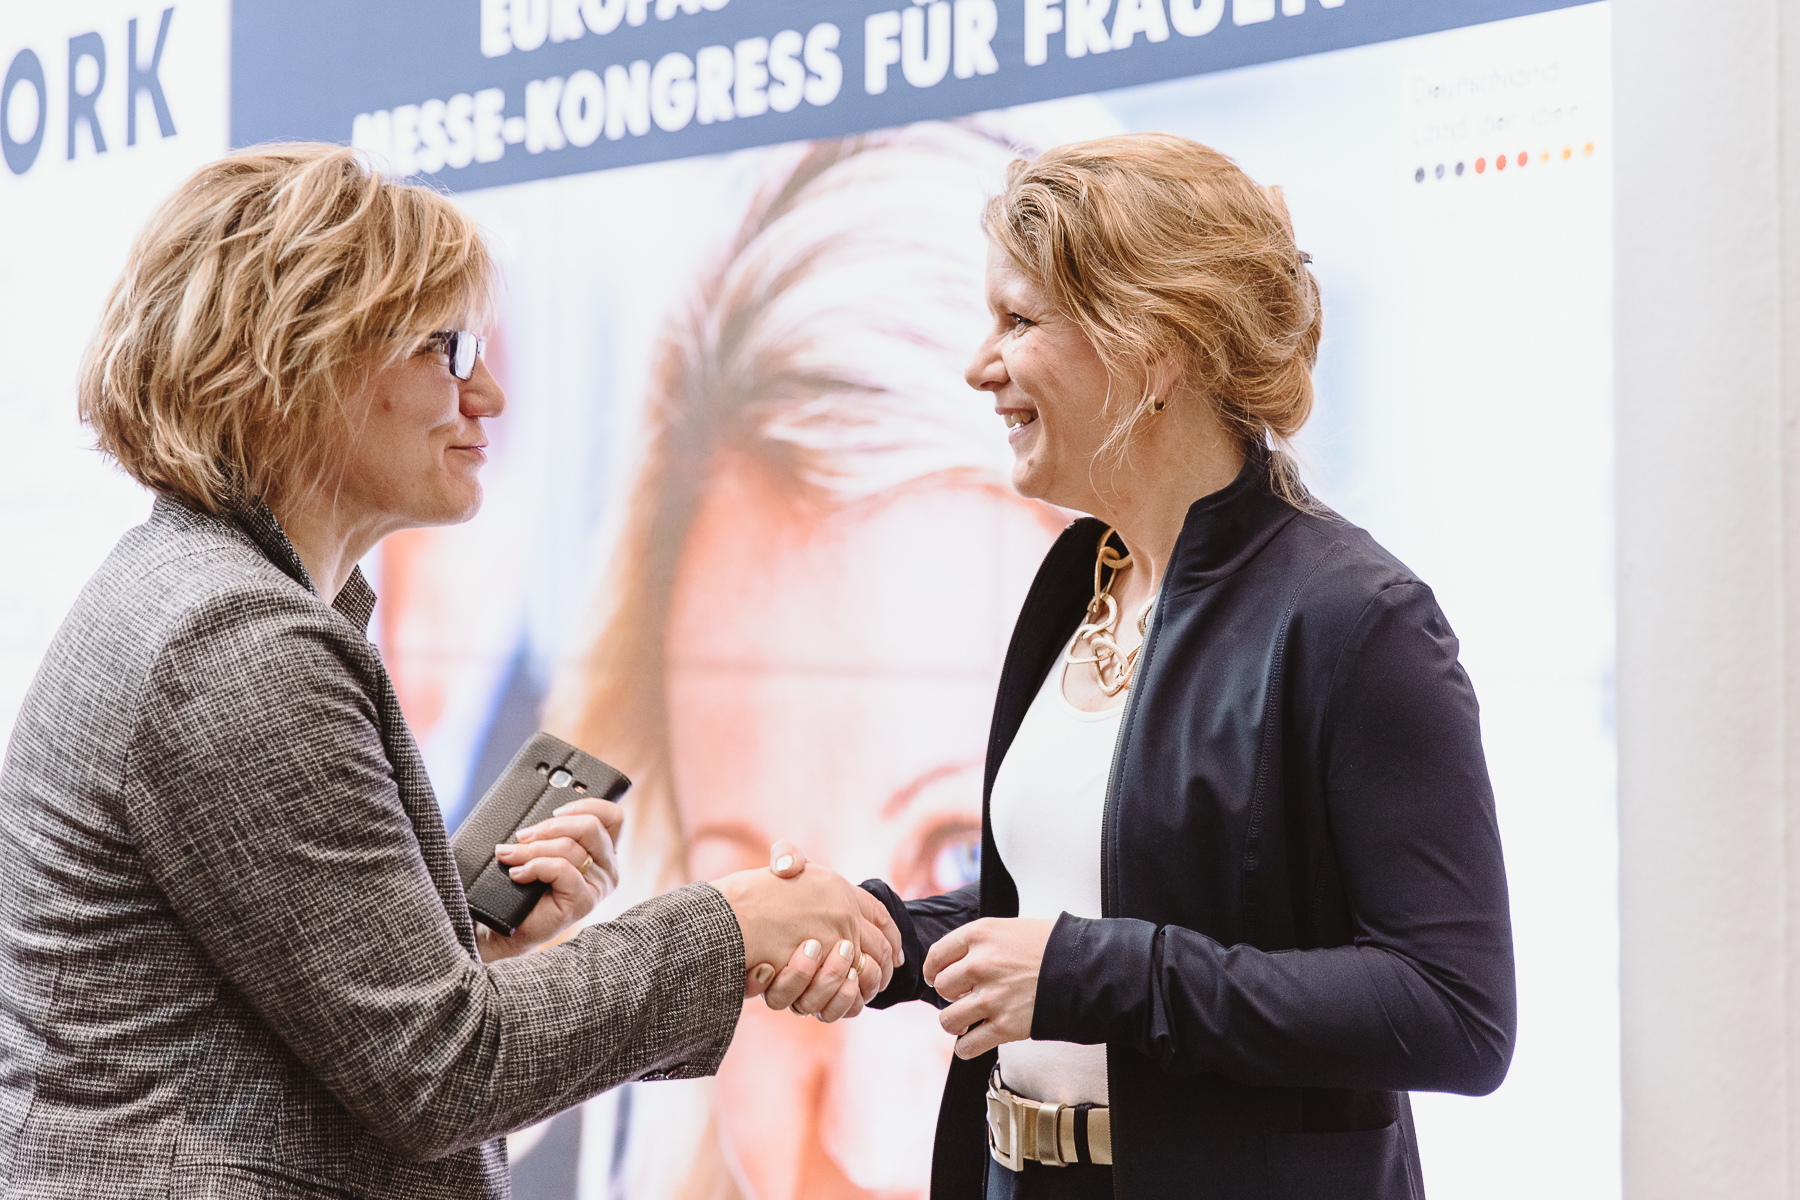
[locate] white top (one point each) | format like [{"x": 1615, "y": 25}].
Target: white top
[{"x": 1047, "y": 808}]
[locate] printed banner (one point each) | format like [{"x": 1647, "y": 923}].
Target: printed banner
[{"x": 496, "y": 91}]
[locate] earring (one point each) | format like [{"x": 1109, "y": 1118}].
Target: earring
[{"x": 1154, "y": 405}]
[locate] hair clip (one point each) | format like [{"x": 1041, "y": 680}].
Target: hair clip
[{"x": 1305, "y": 257}]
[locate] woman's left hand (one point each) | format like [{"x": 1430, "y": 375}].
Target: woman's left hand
[
  {"x": 572, "y": 852},
  {"x": 988, "y": 969}
]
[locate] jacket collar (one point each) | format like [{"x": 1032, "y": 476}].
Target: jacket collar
[
  {"x": 1225, "y": 530},
  {"x": 1221, "y": 532},
  {"x": 253, "y": 518}
]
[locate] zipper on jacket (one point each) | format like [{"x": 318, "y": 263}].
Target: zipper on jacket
[{"x": 1108, "y": 810}]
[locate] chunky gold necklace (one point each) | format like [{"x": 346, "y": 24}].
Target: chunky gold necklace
[{"x": 1102, "y": 625}]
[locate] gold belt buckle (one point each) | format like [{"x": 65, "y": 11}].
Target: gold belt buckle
[
  {"x": 1005, "y": 1142},
  {"x": 1021, "y": 1130}
]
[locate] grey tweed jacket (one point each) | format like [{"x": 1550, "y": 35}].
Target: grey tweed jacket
[{"x": 235, "y": 960}]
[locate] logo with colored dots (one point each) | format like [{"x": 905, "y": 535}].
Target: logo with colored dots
[{"x": 1501, "y": 162}]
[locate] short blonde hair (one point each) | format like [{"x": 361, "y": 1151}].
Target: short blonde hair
[
  {"x": 1163, "y": 250},
  {"x": 252, "y": 306}
]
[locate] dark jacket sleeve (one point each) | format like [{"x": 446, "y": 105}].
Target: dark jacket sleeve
[
  {"x": 1422, "y": 998},
  {"x": 922, "y": 923}
]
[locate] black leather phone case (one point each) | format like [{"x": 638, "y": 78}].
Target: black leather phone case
[{"x": 546, "y": 773}]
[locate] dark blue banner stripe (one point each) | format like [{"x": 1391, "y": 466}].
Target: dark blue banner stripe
[{"x": 487, "y": 92}]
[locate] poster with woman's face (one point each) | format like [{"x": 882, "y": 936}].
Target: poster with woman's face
[{"x": 749, "y": 535}]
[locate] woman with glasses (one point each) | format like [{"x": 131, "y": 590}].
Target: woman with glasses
[{"x": 235, "y": 955}]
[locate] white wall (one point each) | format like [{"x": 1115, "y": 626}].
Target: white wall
[
  {"x": 1708, "y": 350},
  {"x": 65, "y": 226}
]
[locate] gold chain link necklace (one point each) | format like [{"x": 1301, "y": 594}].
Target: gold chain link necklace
[{"x": 1102, "y": 625}]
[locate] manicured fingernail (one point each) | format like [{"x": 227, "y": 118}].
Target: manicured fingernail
[
  {"x": 854, "y": 973},
  {"x": 504, "y": 848},
  {"x": 515, "y": 872},
  {"x": 762, "y": 973},
  {"x": 559, "y": 809},
  {"x": 811, "y": 949},
  {"x": 784, "y": 862},
  {"x": 845, "y": 950}
]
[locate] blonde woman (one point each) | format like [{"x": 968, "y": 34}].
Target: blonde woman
[
  {"x": 235, "y": 957},
  {"x": 1241, "y": 885}
]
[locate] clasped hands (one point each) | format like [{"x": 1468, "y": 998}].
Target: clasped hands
[
  {"x": 841, "y": 945},
  {"x": 987, "y": 969},
  {"x": 839, "y": 942}
]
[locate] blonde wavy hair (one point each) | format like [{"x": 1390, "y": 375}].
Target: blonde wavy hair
[
  {"x": 1164, "y": 252},
  {"x": 254, "y": 304}
]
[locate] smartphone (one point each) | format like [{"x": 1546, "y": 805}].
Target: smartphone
[{"x": 545, "y": 774}]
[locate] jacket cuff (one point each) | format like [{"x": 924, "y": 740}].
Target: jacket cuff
[
  {"x": 1094, "y": 982},
  {"x": 709, "y": 956},
  {"x": 908, "y": 982}
]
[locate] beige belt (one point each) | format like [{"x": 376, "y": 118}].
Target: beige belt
[{"x": 1022, "y": 1131}]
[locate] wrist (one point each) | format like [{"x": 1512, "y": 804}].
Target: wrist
[
  {"x": 740, "y": 890},
  {"x": 734, "y": 887},
  {"x": 490, "y": 946}
]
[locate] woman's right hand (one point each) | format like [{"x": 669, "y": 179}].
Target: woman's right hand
[{"x": 814, "y": 917}]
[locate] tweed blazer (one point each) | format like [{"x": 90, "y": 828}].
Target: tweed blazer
[{"x": 235, "y": 957}]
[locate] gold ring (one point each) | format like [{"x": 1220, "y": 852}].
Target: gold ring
[{"x": 584, "y": 866}]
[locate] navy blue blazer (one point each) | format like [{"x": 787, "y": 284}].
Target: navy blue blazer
[{"x": 1305, "y": 912}]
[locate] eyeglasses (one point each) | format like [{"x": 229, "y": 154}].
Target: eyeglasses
[{"x": 461, "y": 347}]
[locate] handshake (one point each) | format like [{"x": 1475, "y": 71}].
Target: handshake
[{"x": 836, "y": 943}]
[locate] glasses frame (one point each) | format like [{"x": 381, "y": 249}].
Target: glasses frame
[{"x": 463, "y": 348}]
